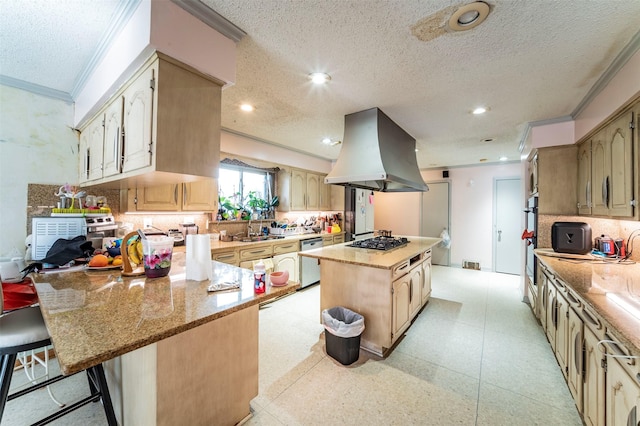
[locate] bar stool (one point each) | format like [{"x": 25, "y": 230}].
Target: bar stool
[{"x": 24, "y": 329}]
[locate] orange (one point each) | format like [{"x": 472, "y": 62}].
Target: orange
[
  {"x": 99, "y": 260},
  {"x": 117, "y": 261}
]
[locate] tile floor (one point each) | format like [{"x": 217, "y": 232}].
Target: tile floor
[{"x": 474, "y": 356}]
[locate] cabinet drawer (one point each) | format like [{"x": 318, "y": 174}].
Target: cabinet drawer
[
  {"x": 617, "y": 349},
  {"x": 400, "y": 270},
  {"x": 338, "y": 239},
  {"x": 256, "y": 253},
  {"x": 327, "y": 240},
  {"x": 230, "y": 257},
  {"x": 288, "y": 247}
]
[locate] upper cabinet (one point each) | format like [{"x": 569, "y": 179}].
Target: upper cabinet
[
  {"x": 201, "y": 195},
  {"x": 300, "y": 190},
  {"x": 607, "y": 163},
  {"x": 161, "y": 127},
  {"x": 553, "y": 172}
]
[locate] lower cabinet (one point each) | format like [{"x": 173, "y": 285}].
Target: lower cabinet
[
  {"x": 593, "y": 384},
  {"x": 288, "y": 262},
  {"x": 425, "y": 292},
  {"x": 551, "y": 318},
  {"x": 230, "y": 257},
  {"x": 406, "y": 299},
  {"x": 575, "y": 344},
  {"x": 623, "y": 394},
  {"x": 562, "y": 331}
]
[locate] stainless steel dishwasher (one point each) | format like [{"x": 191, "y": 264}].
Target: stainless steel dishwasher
[{"x": 309, "y": 267}]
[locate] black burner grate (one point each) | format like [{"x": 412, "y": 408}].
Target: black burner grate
[{"x": 380, "y": 243}]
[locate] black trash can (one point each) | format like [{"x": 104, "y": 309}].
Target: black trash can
[{"x": 343, "y": 329}]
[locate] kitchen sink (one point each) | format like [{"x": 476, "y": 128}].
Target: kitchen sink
[{"x": 257, "y": 238}]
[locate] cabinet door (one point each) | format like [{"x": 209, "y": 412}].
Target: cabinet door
[
  {"x": 201, "y": 195},
  {"x": 593, "y": 390},
  {"x": 313, "y": 191},
  {"x": 574, "y": 357},
  {"x": 584, "y": 178},
  {"x": 400, "y": 305},
  {"x": 91, "y": 142},
  {"x": 551, "y": 315},
  {"x": 623, "y": 396},
  {"x": 426, "y": 281},
  {"x": 138, "y": 121},
  {"x": 83, "y": 166},
  {"x": 325, "y": 194},
  {"x": 599, "y": 171},
  {"x": 113, "y": 138},
  {"x": 337, "y": 197},
  {"x": 415, "y": 286},
  {"x": 562, "y": 332},
  {"x": 287, "y": 262},
  {"x": 542, "y": 292},
  {"x": 158, "y": 198},
  {"x": 298, "y": 190},
  {"x": 620, "y": 150}
]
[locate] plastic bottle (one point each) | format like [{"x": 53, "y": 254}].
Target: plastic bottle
[{"x": 259, "y": 274}]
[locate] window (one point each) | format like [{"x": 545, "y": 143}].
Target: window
[{"x": 244, "y": 187}]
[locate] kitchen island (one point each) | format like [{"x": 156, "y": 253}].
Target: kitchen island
[
  {"x": 388, "y": 288},
  {"x": 173, "y": 353}
]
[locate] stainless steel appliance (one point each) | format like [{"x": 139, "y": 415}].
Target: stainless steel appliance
[
  {"x": 358, "y": 222},
  {"x": 380, "y": 243},
  {"x": 309, "y": 267},
  {"x": 531, "y": 237}
]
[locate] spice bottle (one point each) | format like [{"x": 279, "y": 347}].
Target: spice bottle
[{"x": 259, "y": 274}]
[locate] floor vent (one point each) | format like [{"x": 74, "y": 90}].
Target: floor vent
[{"x": 470, "y": 264}]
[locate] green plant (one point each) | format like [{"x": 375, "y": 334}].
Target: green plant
[
  {"x": 228, "y": 206},
  {"x": 255, "y": 204}
]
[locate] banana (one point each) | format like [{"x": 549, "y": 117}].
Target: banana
[
  {"x": 139, "y": 250},
  {"x": 132, "y": 251}
]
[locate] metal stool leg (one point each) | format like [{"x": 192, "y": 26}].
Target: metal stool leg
[
  {"x": 97, "y": 373},
  {"x": 6, "y": 371}
]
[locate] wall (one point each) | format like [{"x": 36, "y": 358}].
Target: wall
[
  {"x": 37, "y": 145},
  {"x": 472, "y": 201}
]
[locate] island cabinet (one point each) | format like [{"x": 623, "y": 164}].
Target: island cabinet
[
  {"x": 162, "y": 126},
  {"x": 201, "y": 195},
  {"x": 387, "y": 288}
]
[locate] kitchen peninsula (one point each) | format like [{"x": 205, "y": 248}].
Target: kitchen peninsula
[
  {"x": 388, "y": 288},
  {"x": 173, "y": 353}
]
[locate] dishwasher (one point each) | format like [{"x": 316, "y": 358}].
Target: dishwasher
[{"x": 310, "y": 267}]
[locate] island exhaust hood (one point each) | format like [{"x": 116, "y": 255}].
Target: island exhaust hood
[{"x": 376, "y": 154}]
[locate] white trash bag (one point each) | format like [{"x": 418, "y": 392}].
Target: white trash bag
[
  {"x": 343, "y": 322},
  {"x": 446, "y": 239}
]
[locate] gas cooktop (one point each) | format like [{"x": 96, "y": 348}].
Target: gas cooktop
[{"x": 380, "y": 243}]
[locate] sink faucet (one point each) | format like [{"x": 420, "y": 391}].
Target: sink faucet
[{"x": 249, "y": 229}]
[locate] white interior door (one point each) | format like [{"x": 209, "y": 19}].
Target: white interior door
[
  {"x": 435, "y": 218},
  {"x": 508, "y": 214}
]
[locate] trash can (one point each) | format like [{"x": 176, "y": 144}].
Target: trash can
[{"x": 343, "y": 329}]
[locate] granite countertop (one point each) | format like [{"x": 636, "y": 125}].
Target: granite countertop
[
  {"x": 96, "y": 315},
  {"x": 592, "y": 281},
  {"x": 232, "y": 245},
  {"x": 373, "y": 258}
]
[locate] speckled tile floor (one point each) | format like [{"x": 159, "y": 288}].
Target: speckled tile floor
[{"x": 474, "y": 356}]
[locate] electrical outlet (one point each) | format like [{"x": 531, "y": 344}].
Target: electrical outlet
[{"x": 148, "y": 222}]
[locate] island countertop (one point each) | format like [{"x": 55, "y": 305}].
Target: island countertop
[
  {"x": 96, "y": 315},
  {"x": 373, "y": 258},
  {"x": 592, "y": 281}
]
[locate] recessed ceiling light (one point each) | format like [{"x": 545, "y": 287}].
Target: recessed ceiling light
[
  {"x": 319, "y": 77},
  {"x": 417, "y": 150},
  {"x": 503, "y": 158},
  {"x": 247, "y": 107},
  {"x": 469, "y": 16},
  {"x": 480, "y": 110}
]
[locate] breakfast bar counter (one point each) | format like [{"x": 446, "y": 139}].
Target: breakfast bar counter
[{"x": 173, "y": 352}]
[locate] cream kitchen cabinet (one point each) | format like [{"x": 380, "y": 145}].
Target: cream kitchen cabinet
[
  {"x": 555, "y": 170},
  {"x": 623, "y": 390},
  {"x": 575, "y": 344},
  {"x": 163, "y": 125},
  {"x": 584, "y": 178},
  {"x": 230, "y": 256},
  {"x": 200, "y": 195},
  {"x": 288, "y": 262},
  {"x": 593, "y": 399},
  {"x": 406, "y": 299},
  {"x": 91, "y": 150},
  {"x": 612, "y": 169},
  {"x": 337, "y": 197},
  {"x": 338, "y": 239},
  {"x": 425, "y": 291},
  {"x": 300, "y": 190},
  {"x": 562, "y": 331},
  {"x": 551, "y": 311}
]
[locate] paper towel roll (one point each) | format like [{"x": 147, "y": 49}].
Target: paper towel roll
[{"x": 199, "y": 265}]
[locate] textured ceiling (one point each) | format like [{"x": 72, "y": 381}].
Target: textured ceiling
[{"x": 529, "y": 61}]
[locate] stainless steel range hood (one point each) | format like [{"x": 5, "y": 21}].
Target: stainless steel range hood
[{"x": 376, "y": 154}]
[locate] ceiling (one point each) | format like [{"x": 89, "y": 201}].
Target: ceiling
[{"x": 529, "y": 62}]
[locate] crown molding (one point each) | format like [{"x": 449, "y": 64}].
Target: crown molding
[
  {"x": 36, "y": 88},
  {"x": 212, "y": 18},
  {"x": 121, "y": 16},
  {"x": 532, "y": 124}
]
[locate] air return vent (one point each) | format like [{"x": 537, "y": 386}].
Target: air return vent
[{"x": 471, "y": 264}]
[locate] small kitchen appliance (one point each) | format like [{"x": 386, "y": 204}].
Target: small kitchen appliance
[{"x": 571, "y": 237}]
